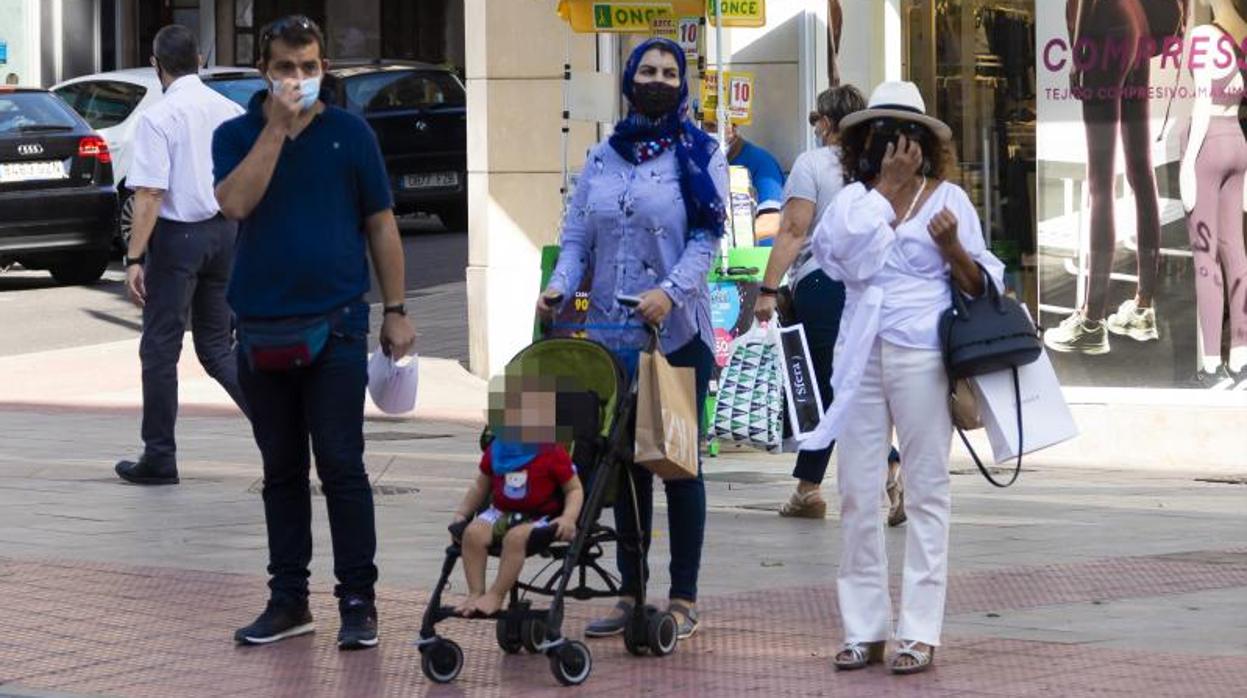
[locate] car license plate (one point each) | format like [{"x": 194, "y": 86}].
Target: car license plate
[
  {"x": 431, "y": 180},
  {"x": 31, "y": 171}
]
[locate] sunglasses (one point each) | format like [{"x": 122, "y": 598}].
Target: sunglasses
[
  {"x": 814, "y": 118},
  {"x": 283, "y": 25},
  {"x": 899, "y": 127}
]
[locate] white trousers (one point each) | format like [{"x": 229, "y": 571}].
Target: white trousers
[{"x": 908, "y": 389}]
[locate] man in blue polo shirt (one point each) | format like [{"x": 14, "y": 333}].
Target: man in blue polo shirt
[
  {"x": 766, "y": 176},
  {"x": 308, "y": 184}
]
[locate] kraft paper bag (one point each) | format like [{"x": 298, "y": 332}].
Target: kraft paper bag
[
  {"x": 1046, "y": 418},
  {"x": 666, "y": 418}
]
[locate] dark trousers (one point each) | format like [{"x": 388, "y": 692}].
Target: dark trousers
[
  {"x": 686, "y": 503},
  {"x": 323, "y": 403},
  {"x": 188, "y": 267},
  {"x": 818, "y": 304}
]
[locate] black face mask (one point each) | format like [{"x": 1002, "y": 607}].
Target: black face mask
[{"x": 655, "y": 99}]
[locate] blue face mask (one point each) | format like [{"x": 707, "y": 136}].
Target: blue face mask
[{"x": 309, "y": 89}]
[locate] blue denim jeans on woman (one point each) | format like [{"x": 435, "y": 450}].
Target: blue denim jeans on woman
[
  {"x": 686, "y": 499},
  {"x": 326, "y": 403}
]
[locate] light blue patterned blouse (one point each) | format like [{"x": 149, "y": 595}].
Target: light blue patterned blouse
[{"x": 627, "y": 223}]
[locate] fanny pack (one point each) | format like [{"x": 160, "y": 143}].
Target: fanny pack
[{"x": 284, "y": 344}]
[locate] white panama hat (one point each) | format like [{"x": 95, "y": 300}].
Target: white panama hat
[{"x": 897, "y": 100}]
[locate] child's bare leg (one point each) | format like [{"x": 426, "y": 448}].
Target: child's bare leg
[
  {"x": 514, "y": 546},
  {"x": 475, "y": 547}
]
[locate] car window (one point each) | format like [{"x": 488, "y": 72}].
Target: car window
[
  {"x": 20, "y": 110},
  {"x": 238, "y": 90},
  {"x": 396, "y": 91},
  {"x": 103, "y": 103}
]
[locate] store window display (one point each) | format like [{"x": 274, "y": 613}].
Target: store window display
[{"x": 1214, "y": 163}]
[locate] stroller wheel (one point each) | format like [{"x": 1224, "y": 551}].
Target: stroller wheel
[
  {"x": 442, "y": 661},
  {"x": 508, "y": 636},
  {"x": 532, "y": 634},
  {"x": 571, "y": 663},
  {"x": 636, "y": 637},
  {"x": 663, "y": 634}
]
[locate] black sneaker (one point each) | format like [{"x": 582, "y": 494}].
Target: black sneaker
[
  {"x": 278, "y": 622},
  {"x": 1217, "y": 380},
  {"x": 359, "y": 623}
]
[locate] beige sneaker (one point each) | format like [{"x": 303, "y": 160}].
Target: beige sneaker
[
  {"x": 1076, "y": 336},
  {"x": 804, "y": 506},
  {"x": 1134, "y": 322}
]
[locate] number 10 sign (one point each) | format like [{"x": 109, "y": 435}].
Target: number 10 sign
[{"x": 739, "y": 96}]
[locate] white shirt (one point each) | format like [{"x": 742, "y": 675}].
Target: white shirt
[
  {"x": 817, "y": 177},
  {"x": 896, "y": 281},
  {"x": 173, "y": 148}
]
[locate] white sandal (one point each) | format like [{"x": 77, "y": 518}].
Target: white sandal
[
  {"x": 922, "y": 658},
  {"x": 860, "y": 654}
]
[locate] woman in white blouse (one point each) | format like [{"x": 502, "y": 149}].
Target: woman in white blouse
[{"x": 895, "y": 236}]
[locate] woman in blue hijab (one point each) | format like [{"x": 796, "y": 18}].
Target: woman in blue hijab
[{"x": 647, "y": 217}]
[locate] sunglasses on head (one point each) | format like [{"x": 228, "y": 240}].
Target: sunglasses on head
[{"x": 284, "y": 24}]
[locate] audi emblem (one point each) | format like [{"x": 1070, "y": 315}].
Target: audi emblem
[
  {"x": 29, "y": 149},
  {"x": 422, "y": 126}
]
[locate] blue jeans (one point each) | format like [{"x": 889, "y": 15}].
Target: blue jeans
[
  {"x": 686, "y": 500},
  {"x": 818, "y": 304},
  {"x": 326, "y": 403}
]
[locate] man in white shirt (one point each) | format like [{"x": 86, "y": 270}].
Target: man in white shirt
[{"x": 181, "y": 248}]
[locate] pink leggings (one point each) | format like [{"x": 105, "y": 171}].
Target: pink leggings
[{"x": 1216, "y": 229}]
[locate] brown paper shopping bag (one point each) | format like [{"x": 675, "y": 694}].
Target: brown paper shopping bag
[{"x": 666, "y": 418}]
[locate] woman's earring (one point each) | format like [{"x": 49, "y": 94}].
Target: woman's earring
[{"x": 926, "y": 167}]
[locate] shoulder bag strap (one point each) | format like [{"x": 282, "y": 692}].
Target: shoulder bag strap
[{"x": 1017, "y": 470}]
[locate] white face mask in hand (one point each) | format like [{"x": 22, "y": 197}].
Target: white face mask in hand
[
  {"x": 309, "y": 89},
  {"x": 392, "y": 384}
]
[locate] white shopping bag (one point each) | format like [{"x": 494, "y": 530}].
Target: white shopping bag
[
  {"x": 1046, "y": 419},
  {"x": 392, "y": 384}
]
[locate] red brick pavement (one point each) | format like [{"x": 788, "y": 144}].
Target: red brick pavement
[{"x": 129, "y": 631}]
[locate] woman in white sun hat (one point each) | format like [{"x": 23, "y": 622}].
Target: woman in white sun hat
[{"x": 895, "y": 236}]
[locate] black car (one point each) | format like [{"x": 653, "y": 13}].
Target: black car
[
  {"x": 419, "y": 114},
  {"x": 58, "y": 205}
]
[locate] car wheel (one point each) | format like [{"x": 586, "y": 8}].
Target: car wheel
[
  {"x": 454, "y": 217},
  {"x": 82, "y": 269},
  {"x": 125, "y": 222}
]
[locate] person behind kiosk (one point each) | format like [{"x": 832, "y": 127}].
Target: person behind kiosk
[
  {"x": 766, "y": 176},
  {"x": 818, "y": 300}
]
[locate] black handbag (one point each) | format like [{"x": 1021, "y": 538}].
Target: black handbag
[{"x": 984, "y": 335}]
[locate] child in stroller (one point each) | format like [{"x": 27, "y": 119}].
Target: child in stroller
[
  {"x": 593, "y": 408},
  {"x": 524, "y": 468}
]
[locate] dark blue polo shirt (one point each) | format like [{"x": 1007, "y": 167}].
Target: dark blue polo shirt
[{"x": 303, "y": 250}]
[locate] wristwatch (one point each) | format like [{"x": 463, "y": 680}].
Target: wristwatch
[
  {"x": 768, "y": 291},
  {"x": 131, "y": 261},
  {"x": 400, "y": 309}
]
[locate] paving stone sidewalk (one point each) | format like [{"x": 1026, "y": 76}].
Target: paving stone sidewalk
[{"x": 1075, "y": 582}]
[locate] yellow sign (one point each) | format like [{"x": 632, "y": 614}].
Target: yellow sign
[
  {"x": 628, "y": 17},
  {"x": 739, "y": 97},
  {"x": 665, "y": 27},
  {"x": 738, "y": 13}
]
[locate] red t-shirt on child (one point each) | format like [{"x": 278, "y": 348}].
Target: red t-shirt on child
[{"x": 534, "y": 488}]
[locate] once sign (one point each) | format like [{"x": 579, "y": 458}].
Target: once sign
[
  {"x": 738, "y": 13},
  {"x": 629, "y": 17}
]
